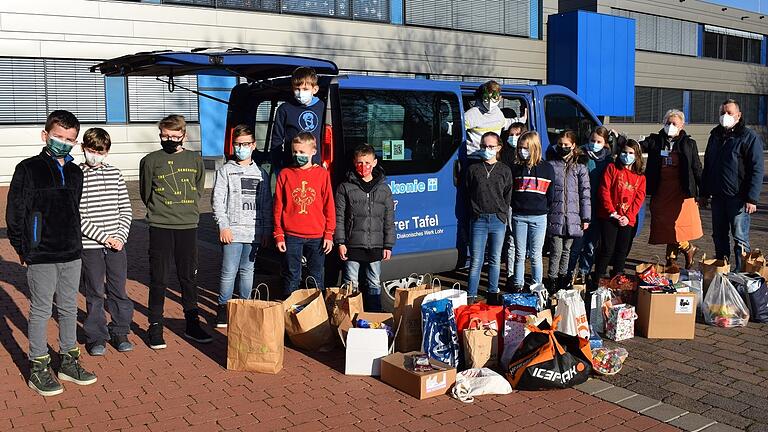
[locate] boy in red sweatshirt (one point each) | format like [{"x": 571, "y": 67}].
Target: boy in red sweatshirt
[{"x": 305, "y": 215}]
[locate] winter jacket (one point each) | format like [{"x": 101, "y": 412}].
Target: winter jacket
[
  {"x": 622, "y": 191},
  {"x": 531, "y": 191},
  {"x": 733, "y": 164},
  {"x": 42, "y": 213},
  {"x": 690, "y": 164},
  {"x": 571, "y": 203},
  {"x": 596, "y": 165},
  {"x": 365, "y": 220},
  {"x": 242, "y": 201}
]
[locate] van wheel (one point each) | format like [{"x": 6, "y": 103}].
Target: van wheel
[{"x": 388, "y": 295}]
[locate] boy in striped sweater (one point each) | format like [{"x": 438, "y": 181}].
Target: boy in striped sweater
[{"x": 105, "y": 219}]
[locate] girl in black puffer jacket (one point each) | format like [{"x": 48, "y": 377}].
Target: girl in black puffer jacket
[{"x": 365, "y": 223}]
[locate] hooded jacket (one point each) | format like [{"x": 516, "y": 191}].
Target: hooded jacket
[
  {"x": 365, "y": 220},
  {"x": 690, "y": 164},
  {"x": 571, "y": 202},
  {"x": 733, "y": 164}
]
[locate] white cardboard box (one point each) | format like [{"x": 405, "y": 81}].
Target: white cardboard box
[{"x": 365, "y": 347}]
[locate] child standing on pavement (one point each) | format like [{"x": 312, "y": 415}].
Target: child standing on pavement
[
  {"x": 105, "y": 217},
  {"x": 365, "y": 224},
  {"x": 242, "y": 207},
  {"x": 305, "y": 217},
  {"x": 44, "y": 229},
  {"x": 490, "y": 190}
]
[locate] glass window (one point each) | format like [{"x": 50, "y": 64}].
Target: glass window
[
  {"x": 564, "y": 113},
  {"x": 510, "y": 17},
  {"x": 412, "y": 132},
  {"x": 149, "y": 99},
  {"x": 731, "y": 47},
  {"x": 651, "y": 103},
  {"x": 262, "y": 126}
]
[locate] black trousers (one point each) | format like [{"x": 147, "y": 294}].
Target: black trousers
[
  {"x": 166, "y": 246},
  {"x": 615, "y": 242},
  {"x": 104, "y": 272}
]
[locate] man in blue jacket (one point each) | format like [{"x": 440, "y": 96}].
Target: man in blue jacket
[{"x": 732, "y": 178}]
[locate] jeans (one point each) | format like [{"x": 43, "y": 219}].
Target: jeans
[
  {"x": 44, "y": 281},
  {"x": 584, "y": 248},
  {"x": 180, "y": 247},
  {"x": 312, "y": 249},
  {"x": 237, "y": 261},
  {"x": 486, "y": 228},
  {"x": 529, "y": 232},
  {"x": 729, "y": 218},
  {"x": 372, "y": 275},
  {"x": 559, "y": 255},
  {"x": 100, "y": 265},
  {"x": 615, "y": 243},
  {"x": 510, "y": 249}
]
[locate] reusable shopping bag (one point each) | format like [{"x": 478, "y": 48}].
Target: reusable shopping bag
[
  {"x": 408, "y": 313},
  {"x": 550, "y": 359},
  {"x": 306, "y": 321},
  {"x": 723, "y": 306},
  {"x": 477, "y": 382},
  {"x": 619, "y": 322},
  {"x": 484, "y": 311},
  {"x": 255, "y": 335},
  {"x": 481, "y": 344},
  {"x": 521, "y": 299},
  {"x": 573, "y": 315},
  {"x": 441, "y": 340},
  {"x": 753, "y": 289},
  {"x": 343, "y": 303},
  {"x": 456, "y": 295}
]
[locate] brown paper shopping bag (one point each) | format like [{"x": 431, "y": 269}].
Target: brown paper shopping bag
[
  {"x": 481, "y": 345},
  {"x": 408, "y": 314},
  {"x": 343, "y": 303},
  {"x": 754, "y": 262},
  {"x": 711, "y": 267},
  {"x": 255, "y": 335},
  {"x": 306, "y": 321}
]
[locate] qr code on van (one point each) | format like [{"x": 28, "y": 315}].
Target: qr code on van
[{"x": 398, "y": 149}]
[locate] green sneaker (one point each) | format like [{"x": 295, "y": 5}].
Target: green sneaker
[
  {"x": 72, "y": 371},
  {"x": 41, "y": 378}
]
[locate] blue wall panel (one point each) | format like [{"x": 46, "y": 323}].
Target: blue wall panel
[
  {"x": 115, "y": 95},
  {"x": 763, "y": 45},
  {"x": 534, "y": 30},
  {"x": 594, "y": 55},
  {"x": 700, "y": 39},
  {"x": 213, "y": 114},
  {"x": 396, "y": 12}
]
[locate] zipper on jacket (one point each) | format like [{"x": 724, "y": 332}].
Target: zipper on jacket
[{"x": 34, "y": 229}]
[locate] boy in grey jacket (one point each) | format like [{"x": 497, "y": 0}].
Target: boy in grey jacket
[
  {"x": 365, "y": 223},
  {"x": 242, "y": 207}
]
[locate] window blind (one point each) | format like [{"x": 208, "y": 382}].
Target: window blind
[{"x": 149, "y": 99}]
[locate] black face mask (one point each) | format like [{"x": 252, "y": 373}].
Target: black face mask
[
  {"x": 169, "y": 146},
  {"x": 564, "y": 151}
]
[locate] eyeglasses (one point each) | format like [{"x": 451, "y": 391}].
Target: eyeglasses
[
  {"x": 489, "y": 147},
  {"x": 244, "y": 144},
  {"x": 171, "y": 138}
]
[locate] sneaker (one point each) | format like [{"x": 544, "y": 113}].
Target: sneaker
[
  {"x": 121, "y": 343},
  {"x": 96, "y": 349},
  {"x": 71, "y": 370},
  {"x": 155, "y": 333},
  {"x": 41, "y": 377},
  {"x": 221, "y": 317},
  {"x": 196, "y": 333},
  {"x": 494, "y": 299}
]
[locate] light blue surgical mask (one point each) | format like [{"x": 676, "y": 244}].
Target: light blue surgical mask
[
  {"x": 595, "y": 146},
  {"x": 627, "y": 159},
  {"x": 487, "y": 154},
  {"x": 525, "y": 154},
  {"x": 512, "y": 140},
  {"x": 242, "y": 152},
  {"x": 300, "y": 159}
]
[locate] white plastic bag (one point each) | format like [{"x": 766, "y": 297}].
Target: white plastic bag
[
  {"x": 541, "y": 291},
  {"x": 456, "y": 295},
  {"x": 478, "y": 382},
  {"x": 573, "y": 315},
  {"x": 723, "y": 306}
]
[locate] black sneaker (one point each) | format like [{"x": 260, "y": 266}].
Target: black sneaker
[
  {"x": 155, "y": 333},
  {"x": 196, "y": 333},
  {"x": 121, "y": 343},
  {"x": 41, "y": 377},
  {"x": 221, "y": 317},
  {"x": 96, "y": 349},
  {"x": 72, "y": 371}
]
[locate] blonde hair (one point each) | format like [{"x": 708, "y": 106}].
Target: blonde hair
[
  {"x": 674, "y": 112},
  {"x": 532, "y": 140},
  {"x": 174, "y": 122},
  {"x": 305, "y": 138}
]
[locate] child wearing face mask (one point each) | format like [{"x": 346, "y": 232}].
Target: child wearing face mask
[
  {"x": 483, "y": 117},
  {"x": 302, "y": 113},
  {"x": 304, "y": 214},
  {"x": 105, "y": 219},
  {"x": 571, "y": 212},
  {"x": 365, "y": 224},
  {"x": 622, "y": 193},
  {"x": 242, "y": 208}
]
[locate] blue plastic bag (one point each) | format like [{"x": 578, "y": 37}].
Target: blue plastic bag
[
  {"x": 441, "y": 341},
  {"x": 521, "y": 299}
]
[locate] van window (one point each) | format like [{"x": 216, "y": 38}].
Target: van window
[
  {"x": 412, "y": 132},
  {"x": 262, "y": 126},
  {"x": 563, "y": 113}
]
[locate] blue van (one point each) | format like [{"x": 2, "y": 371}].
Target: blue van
[{"x": 416, "y": 126}]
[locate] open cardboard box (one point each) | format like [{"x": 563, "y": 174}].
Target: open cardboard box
[
  {"x": 365, "y": 347},
  {"x": 397, "y": 371},
  {"x": 665, "y": 316}
]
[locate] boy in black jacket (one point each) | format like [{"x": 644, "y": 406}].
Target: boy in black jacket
[
  {"x": 44, "y": 229},
  {"x": 365, "y": 223}
]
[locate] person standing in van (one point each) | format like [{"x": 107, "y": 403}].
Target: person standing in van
[
  {"x": 303, "y": 113},
  {"x": 242, "y": 208},
  {"x": 485, "y": 116},
  {"x": 44, "y": 229},
  {"x": 570, "y": 213},
  {"x": 532, "y": 197}
]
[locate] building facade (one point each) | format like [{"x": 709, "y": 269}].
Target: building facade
[{"x": 689, "y": 55}]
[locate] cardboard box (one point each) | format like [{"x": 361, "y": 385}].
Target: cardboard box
[
  {"x": 366, "y": 347},
  {"x": 666, "y": 316},
  {"x": 397, "y": 371}
]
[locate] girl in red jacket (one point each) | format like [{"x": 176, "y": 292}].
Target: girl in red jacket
[{"x": 622, "y": 193}]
